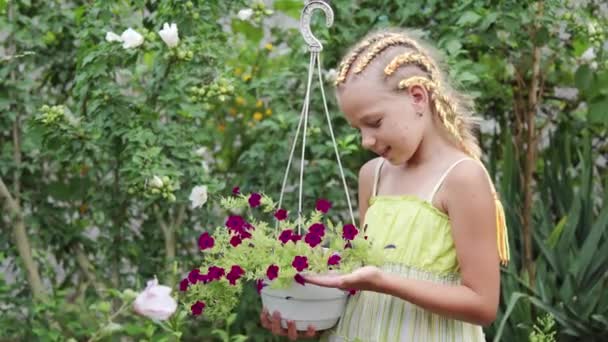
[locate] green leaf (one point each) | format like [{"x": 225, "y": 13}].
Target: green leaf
[
  {"x": 252, "y": 33},
  {"x": 598, "y": 111},
  {"x": 469, "y": 18},
  {"x": 290, "y": 7},
  {"x": 583, "y": 77},
  {"x": 557, "y": 232}
]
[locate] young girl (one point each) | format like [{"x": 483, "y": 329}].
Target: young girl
[{"x": 428, "y": 199}]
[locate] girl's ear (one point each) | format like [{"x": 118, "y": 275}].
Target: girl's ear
[{"x": 420, "y": 97}]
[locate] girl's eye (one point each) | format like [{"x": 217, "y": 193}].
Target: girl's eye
[{"x": 377, "y": 123}]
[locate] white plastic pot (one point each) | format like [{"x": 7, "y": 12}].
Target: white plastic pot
[{"x": 307, "y": 305}]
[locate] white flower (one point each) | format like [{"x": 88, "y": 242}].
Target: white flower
[
  {"x": 156, "y": 182},
  {"x": 245, "y": 14},
  {"x": 155, "y": 301},
  {"x": 201, "y": 152},
  {"x": 131, "y": 39},
  {"x": 489, "y": 126},
  {"x": 169, "y": 35},
  {"x": 566, "y": 93},
  {"x": 113, "y": 37},
  {"x": 198, "y": 196},
  {"x": 588, "y": 55},
  {"x": 331, "y": 75}
]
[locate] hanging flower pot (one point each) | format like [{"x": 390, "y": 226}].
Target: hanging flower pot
[{"x": 273, "y": 254}]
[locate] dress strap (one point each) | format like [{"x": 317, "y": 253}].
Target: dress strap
[
  {"x": 377, "y": 176},
  {"x": 443, "y": 176}
]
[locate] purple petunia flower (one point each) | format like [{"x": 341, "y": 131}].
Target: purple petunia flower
[
  {"x": 235, "y": 223},
  {"x": 300, "y": 263},
  {"x": 323, "y": 205},
  {"x": 259, "y": 285},
  {"x": 254, "y": 199},
  {"x": 204, "y": 278},
  {"x": 281, "y": 214},
  {"x": 295, "y": 238},
  {"x": 236, "y": 190},
  {"x": 205, "y": 241},
  {"x": 183, "y": 285},
  {"x": 349, "y": 232},
  {"x": 312, "y": 239},
  {"x": 299, "y": 279},
  {"x": 244, "y": 235},
  {"x": 285, "y": 236},
  {"x": 272, "y": 272},
  {"x": 235, "y": 273},
  {"x": 215, "y": 273},
  {"x": 318, "y": 229},
  {"x": 235, "y": 241},
  {"x": 334, "y": 259},
  {"x": 193, "y": 275},
  {"x": 197, "y": 308}
]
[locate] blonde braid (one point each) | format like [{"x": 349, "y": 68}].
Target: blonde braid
[
  {"x": 443, "y": 107},
  {"x": 384, "y": 44},
  {"x": 347, "y": 62}
]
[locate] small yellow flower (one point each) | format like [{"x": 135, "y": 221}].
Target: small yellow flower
[
  {"x": 246, "y": 77},
  {"x": 221, "y": 127},
  {"x": 269, "y": 47},
  {"x": 259, "y": 104},
  {"x": 240, "y": 101},
  {"x": 232, "y": 111},
  {"x": 268, "y": 112},
  {"x": 257, "y": 116},
  {"x": 238, "y": 71}
]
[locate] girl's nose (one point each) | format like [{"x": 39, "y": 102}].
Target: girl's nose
[{"x": 367, "y": 141}]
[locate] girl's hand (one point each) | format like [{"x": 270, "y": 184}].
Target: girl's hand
[
  {"x": 365, "y": 278},
  {"x": 273, "y": 323}
]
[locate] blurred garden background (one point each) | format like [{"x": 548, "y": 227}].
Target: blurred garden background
[{"x": 86, "y": 124}]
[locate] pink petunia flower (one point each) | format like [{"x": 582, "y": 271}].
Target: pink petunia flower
[
  {"x": 299, "y": 279},
  {"x": 235, "y": 273},
  {"x": 254, "y": 199},
  {"x": 197, "y": 308},
  {"x": 300, "y": 263},
  {"x": 272, "y": 272},
  {"x": 244, "y": 235},
  {"x": 323, "y": 205},
  {"x": 312, "y": 239},
  {"x": 281, "y": 214},
  {"x": 285, "y": 236},
  {"x": 334, "y": 259},
  {"x": 349, "y": 232},
  {"x": 318, "y": 229},
  {"x": 184, "y": 284},
  {"x": 235, "y": 241},
  {"x": 205, "y": 241}
]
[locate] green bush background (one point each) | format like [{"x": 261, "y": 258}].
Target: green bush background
[{"x": 79, "y": 225}]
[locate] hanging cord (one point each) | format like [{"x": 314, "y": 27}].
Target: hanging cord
[
  {"x": 333, "y": 140},
  {"x": 315, "y": 47},
  {"x": 303, "y": 118}
]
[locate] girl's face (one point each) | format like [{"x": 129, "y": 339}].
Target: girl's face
[{"x": 389, "y": 121}]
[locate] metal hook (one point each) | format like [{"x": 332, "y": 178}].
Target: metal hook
[{"x": 314, "y": 45}]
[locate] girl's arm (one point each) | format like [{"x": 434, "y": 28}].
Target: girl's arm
[{"x": 470, "y": 206}]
